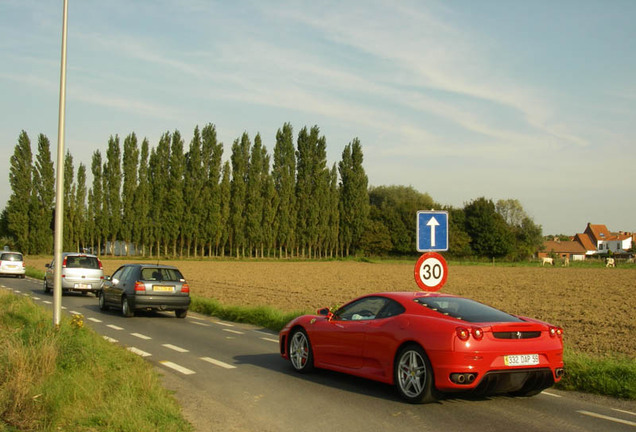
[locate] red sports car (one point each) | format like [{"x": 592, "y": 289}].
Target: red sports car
[{"x": 428, "y": 344}]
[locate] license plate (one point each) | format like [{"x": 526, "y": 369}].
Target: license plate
[
  {"x": 12, "y": 266},
  {"x": 82, "y": 285},
  {"x": 522, "y": 360},
  {"x": 162, "y": 288}
]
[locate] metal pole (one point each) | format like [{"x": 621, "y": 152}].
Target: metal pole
[{"x": 59, "y": 187}]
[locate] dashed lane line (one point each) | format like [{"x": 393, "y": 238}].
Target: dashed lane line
[
  {"x": 233, "y": 331},
  {"x": 218, "y": 363},
  {"x": 223, "y": 323},
  {"x": 623, "y": 411},
  {"x": 201, "y": 324},
  {"x": 551, "y": 394},
  {"x": 604, "y": 417},
  {"x": 175, "y": 348},
  {"x": 47, "y": 302},
  {"x": 75, "y": 313},
  {"x": 270, "y": 339},
  {"x": 176, "y": 367},
  {"x": 141, "y": 336},
  {"x": 138, "y": 352},
  {"x": 94, "y": 319},
  {"x": 114, "y": 327},
  {"x": 110, "y": 339}
]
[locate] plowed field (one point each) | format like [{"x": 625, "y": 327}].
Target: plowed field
[{"x": 595, "y": 306}]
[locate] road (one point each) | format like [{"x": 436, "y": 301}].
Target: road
[{"x": 230, "y": 377}]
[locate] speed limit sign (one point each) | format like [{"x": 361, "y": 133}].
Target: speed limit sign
[{"x": 431, "y": 271}]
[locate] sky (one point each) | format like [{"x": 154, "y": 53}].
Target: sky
[{"x": 527, "y": 100}]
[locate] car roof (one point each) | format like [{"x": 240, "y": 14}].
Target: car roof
[
  {"x": 146, "y": 265},
  {"x": 78, "y": 254},
  {"x": 409, "y": 295}
]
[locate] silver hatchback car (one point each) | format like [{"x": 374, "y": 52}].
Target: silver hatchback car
[
  {"x": 12, "y": 263},
  {"x": 80, "y": 272}
]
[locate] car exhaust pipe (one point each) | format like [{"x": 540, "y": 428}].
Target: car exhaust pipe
[
  {"x": 558, "y": 372},
  {"x": 463, "y": 378},
  {"x": 470, "y": 378}
]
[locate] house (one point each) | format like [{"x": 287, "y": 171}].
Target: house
[{"x": 595, "y": 240}]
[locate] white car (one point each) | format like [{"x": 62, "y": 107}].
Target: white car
[
  {"x": 12, "y": 264},
  {"x": 80, "y": 272}
]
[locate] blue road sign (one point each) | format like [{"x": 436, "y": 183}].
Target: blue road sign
[{"x": 432, "y": 231}]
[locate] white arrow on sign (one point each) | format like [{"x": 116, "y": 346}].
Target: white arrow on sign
[{"x": 432, "y": 223}]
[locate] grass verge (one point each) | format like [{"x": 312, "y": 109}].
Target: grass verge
[
  {"x": 608, "y": 376},
  {"x": 70, "y": 378}
]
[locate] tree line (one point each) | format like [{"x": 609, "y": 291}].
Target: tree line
[{"x": 174, "y": 201}]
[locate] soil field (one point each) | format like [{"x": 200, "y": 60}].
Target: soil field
[{"x": 595, "y": 306}]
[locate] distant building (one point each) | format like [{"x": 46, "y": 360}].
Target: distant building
[{"x": 595, "y": 240}]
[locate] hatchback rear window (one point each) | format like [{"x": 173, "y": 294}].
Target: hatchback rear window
[
  {"x": 161, "y": 274},
  {"x": 466, "y": 309},
  {"x": 82, "y": 262},
  {"x": 11, "y": 257}
]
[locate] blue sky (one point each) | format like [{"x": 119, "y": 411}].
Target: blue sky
[{"x": 534, "y": 101}]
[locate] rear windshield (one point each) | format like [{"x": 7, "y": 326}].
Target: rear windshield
[
  {"x": 465, "y": 309},
  {"x": 161, "y": 274},
  {"x": 85, "y": 262},
  {"x": 11, "y": 257}
]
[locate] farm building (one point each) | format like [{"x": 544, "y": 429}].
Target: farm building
[{"x": 595, "y": 240}]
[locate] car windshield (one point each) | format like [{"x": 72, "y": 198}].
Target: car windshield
[
  {"x": 465, "y": 309},
  {"x": 161, "y": 274},
  {"x": 11, "y": 257},
  {"x": 86, "y": 262}
]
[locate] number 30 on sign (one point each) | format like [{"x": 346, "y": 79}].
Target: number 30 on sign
[{"x": 431, "y": 271}]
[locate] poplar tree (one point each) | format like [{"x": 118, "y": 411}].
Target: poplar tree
[
  {"x": 354, "y": 196},
  {"x": 284, "y": 177},
  {"x": 333, "y": 213},
  {"x": 20, "y": 179},
  {"x": 159, "y": 169},
  {"x": 211, "y": 226},
  {"x": 174, "y": 199},
  {"x": 130, "y": 166},
  {"x": 193, "y": 190},
  {"x": 225, "y": 198},
  {"x": 112, "y": 190},
  {"x": 270, "y": 206},
  {"x": 97, "y": 207},
  {"x": 141, "y": 207},
  {"x": 80, "y": 214},
  {"x": 68, "y": 236},
  {"x": 254, "y": 197},
  {"x": 240, "y": 162},
  {"x": 44, "y": 191}
]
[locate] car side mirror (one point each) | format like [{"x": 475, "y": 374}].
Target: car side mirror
[
  {"x": 47, "y": 265},
  {"x": 323, "y": 312}
]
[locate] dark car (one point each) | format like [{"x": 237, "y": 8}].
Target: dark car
[{"x": 136, "y": 287}]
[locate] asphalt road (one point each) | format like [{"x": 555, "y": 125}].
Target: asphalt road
[{"x": 230, "y": 377}]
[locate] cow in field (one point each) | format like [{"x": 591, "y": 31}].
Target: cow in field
[
  {"x": 547, "y": 260},
  {"x": 609, "y": 262}
]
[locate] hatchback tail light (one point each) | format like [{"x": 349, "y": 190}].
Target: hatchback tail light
[
  {"x": 101, "y": 267},
  {"x": 556, "y": 332},
  {"x": 64, "y": 263},
  {"x": 140, "y": 287},
  {"x": 185, "y": 288}
]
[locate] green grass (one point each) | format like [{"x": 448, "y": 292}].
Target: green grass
[{"x": 70, "y": 378}]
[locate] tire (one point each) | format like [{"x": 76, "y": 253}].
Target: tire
[
  {"x": 413, "y": 375},
  {"x": 125, "y": 308},
  {"x": 46, "y": 288},
  {"x": 301, "y": 355},
  {"x": 181, "y": 313},
  {"x": 102, "y": 301}
]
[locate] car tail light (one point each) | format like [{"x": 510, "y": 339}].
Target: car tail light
[
  {"x": 462, "y": 333},
  {"x": 556, "y": 332},
  {"x": 140, "y": 286},
  {"x": 477, "y": 333},
  {"x": 101, "y": 267},
  {"x": 185, "y": 288},
  {"x": 64, "y": 263}
]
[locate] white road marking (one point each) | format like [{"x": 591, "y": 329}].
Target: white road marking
[
  {"x": 110, "y": 339},
  {"x": 114, "y": 327},
  {"x": 64, "y": 307},
  {"x": 176, "y": 348},
  {"x": 218, "y": 363},
  {"x": 94, "y": 320},
  {"x": 223, "y": 323},
  {"x": 604, "y": 417},
  {"x": 270, "y": 339},
  {"x": 623, "y": 411},
  {"x": 141, "y": 336},
  {"x": 551, "y": 394},
  {"x": 176, "y": 367},
  {"x": 196, "y": 317},
  {"x": 201, "y": 324},
  {"x": 47, "y": 302},
  {"x": 36, "y": 298},
  {"x": 17, "y": 291},
  {"x": 75, "y": 312},
  {"x": 233, "y": 331},
  {"x": 138, "y": 352}
]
